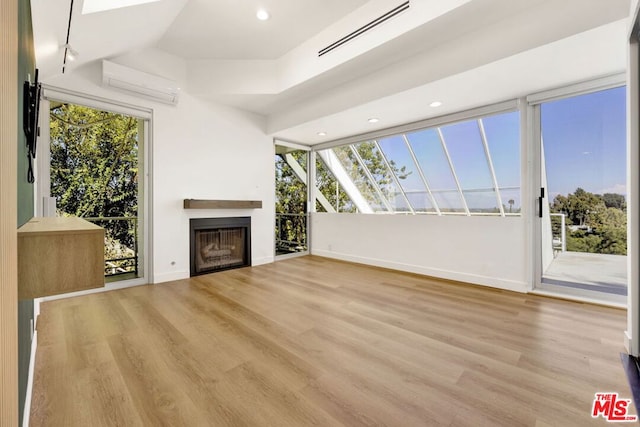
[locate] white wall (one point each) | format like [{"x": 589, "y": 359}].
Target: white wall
[
  {"x": 203, "y": 151},
  {"x": 200, "y": 150},
  {"x": 484, "y": 250}
]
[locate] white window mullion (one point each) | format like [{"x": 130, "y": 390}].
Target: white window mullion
[
  {"x": 422, "y": 176},
  {"x": 487, "y": 153},
  {"x": 44, "y": 204},
  {"x": 453, "y": 171},
  {"x": 371, "y": 179},
  {"x": 301, "y": 174},
  {"x": 342, "y": 177},
  {"x": 313, "y": 192},
  {"x": 395, "y": 178}
]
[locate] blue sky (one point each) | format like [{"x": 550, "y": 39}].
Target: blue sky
[
  {"x": 585, "y": 142},
  {"x": 465, "y": 148}
]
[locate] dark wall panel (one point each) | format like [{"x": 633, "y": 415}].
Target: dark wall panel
[{"x": 26, "y": 65}]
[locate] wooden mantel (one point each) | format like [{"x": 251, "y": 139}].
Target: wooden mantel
[{"x": 222, "y": 204}]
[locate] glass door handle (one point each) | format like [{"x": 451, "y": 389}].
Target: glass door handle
[{"x": 540, "y": 201}]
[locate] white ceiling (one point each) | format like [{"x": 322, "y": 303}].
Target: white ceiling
[
  {"x": 228, "y": 29},
  {"x": 462, "y": 52}
]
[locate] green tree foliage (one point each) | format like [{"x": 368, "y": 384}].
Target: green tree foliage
[
  {"x": 331, "y": 189},
  {"x": 376, "y": 166},
  {"x": 612, "y": 200},
  {"x": 580, "y": 207},
  {"x": 291, "y": 200},
  {"x": 595, "y": 223},
  {"x": 94, "y": 167}
]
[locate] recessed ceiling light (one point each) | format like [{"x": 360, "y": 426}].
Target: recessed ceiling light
[
  {"x": 262, "y": 15},
  {"x": 435, "y": 104},
  {"x": 322, "y": 134},
  {"x": 373, "y": 120}
]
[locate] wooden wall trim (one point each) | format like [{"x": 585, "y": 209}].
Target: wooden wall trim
[
  {"x": 8, "y": 213},
  {"x": 222, "y": 204}
]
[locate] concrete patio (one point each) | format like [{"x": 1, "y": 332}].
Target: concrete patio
[{"x": 605, "y": 273}]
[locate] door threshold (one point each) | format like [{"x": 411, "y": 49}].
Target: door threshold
[
  {"x": 613, "y": 301},
  {"x": 292, "y": 255}
]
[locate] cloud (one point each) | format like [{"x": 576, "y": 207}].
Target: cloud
[{"x": 617, "y": 189}]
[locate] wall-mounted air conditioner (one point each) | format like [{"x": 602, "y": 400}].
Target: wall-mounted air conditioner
[{"x": 138, "y": 83}]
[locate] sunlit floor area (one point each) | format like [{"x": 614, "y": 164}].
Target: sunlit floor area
[
  {"x": 312, "y": 341},
  {"x": 606, "y": 273}
]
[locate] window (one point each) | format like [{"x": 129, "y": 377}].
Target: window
[
  {"x": 334, "y": 194},
  {"x": 503, "y": 139},
  {"x": 470, "y": 167},
  {"x": 291, "y": 200},
  {"x": 582, "y": 231},
  {"x": 433, "y": 160},
  {"x": 362, "y": 177},
  {"x": 414, "y": 187},
  {"x": 95, "y": 170}
]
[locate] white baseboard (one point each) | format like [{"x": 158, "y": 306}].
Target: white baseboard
[
  {"x": 32, "y": 365},
  {"x": 108, "y": 287},
  {"x": 476, "y": 279},
  {"x": 179, "y": 275},
  {"x": 169, "y": 277},
  {"x": 260, "y": 261},
  {"x": 36, "y": 310}
]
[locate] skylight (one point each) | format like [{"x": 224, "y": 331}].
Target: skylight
[{"x": 93, "y": 6}]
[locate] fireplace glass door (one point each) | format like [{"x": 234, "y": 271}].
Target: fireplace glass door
[
  {"x": 219, "y": 244},
  {"x": 219, "y": 248}
]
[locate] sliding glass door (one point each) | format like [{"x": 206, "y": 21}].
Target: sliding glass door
[
  {"x": 94, "y": 168},
  {"x": 582, "y": 195},
  {"x": 292, "y": 201}
]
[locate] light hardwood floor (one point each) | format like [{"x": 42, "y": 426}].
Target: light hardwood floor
[{"x": 311, "y": 341}]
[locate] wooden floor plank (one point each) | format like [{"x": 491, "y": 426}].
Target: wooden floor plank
[{"x": 314, "y": 341}]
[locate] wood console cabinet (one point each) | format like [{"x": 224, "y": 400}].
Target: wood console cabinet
[{"x": 59, "y": 255}]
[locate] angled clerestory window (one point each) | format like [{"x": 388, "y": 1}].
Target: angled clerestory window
[
  {"x": 331, "y": 190},
  {"x": 413, "y": 187},
  {"x": 361, "y": 177},
  {"x": 503, "y": 138},
  {"x": 470, "y": 164},
  {"x": 386, "y": 176},
  {"x": 470, "y": 167},
  {"x": 436, "y": 165}
]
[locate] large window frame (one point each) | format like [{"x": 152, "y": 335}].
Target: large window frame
[
  {"x": 52, "y": 93},
  {"x": 304, "y": 176},
  {"x": 632, "y": 334},
  {"x": 534, "y": 102},
  {"x": 396, "y": 200}
]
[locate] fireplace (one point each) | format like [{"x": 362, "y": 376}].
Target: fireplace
[{"x": 218, "y": 244}]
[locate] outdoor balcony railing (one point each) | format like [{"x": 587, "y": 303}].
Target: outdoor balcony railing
[
  {"x": 559, "y": 232},
  {"x": 291, "y": 232},
  {"x": 121, "y": 244}
]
